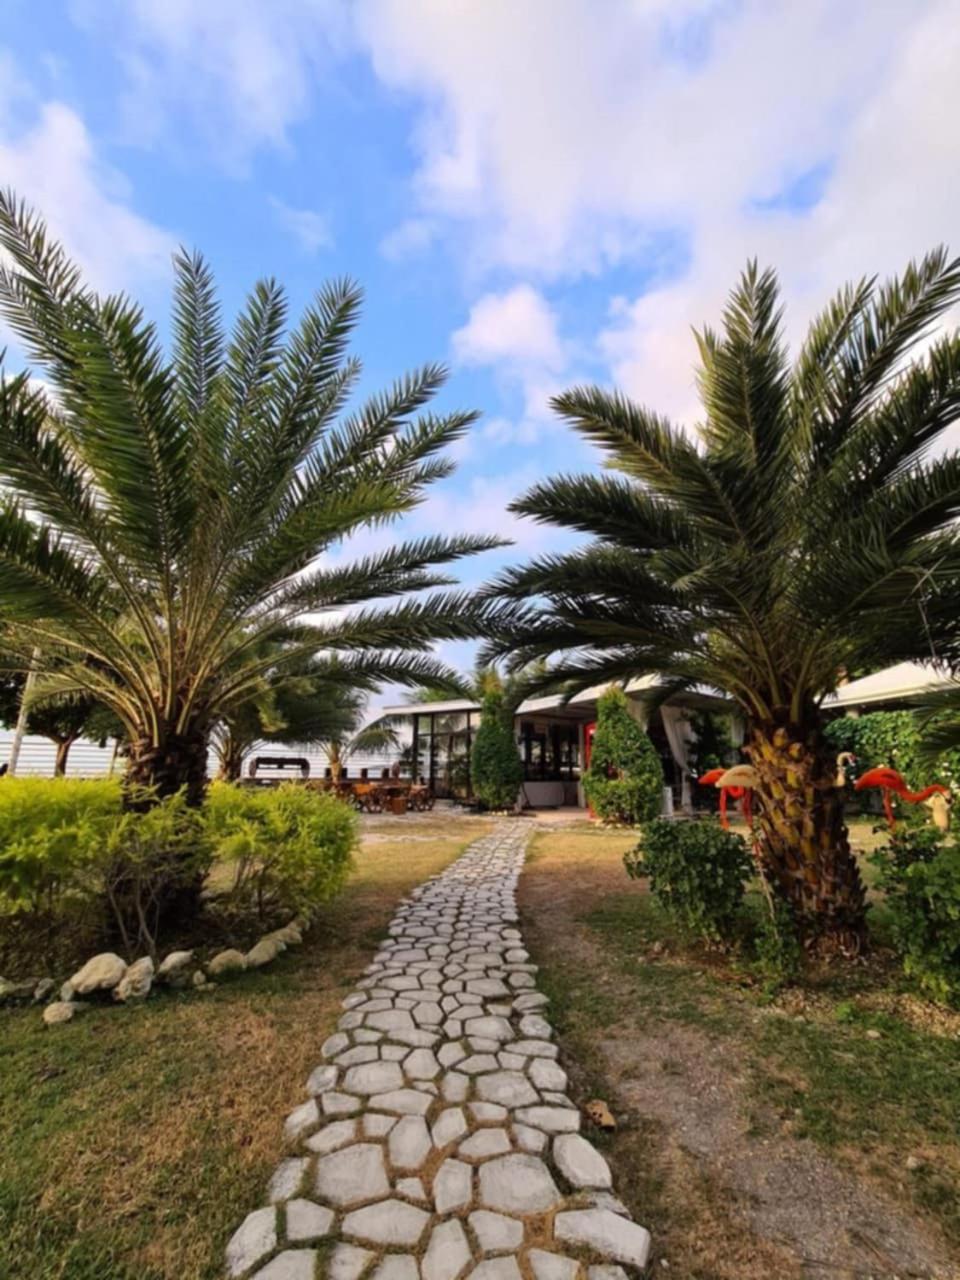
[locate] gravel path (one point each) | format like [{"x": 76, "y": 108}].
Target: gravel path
[{"x": 438, "y": 1140}]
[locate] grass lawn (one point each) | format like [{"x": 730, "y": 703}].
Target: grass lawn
[
  {"x": 134, "y": 1141},
  {"x": 758, "y": 1137}
]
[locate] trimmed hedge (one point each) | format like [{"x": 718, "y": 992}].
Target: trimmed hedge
[
  {"x": 624, "y": 782},
  {"x": 68, "y": 843},
  {"x": 52, "y": 833},
  {"x": 286, "y": 846},
  {"x": 496, "y": 771}
]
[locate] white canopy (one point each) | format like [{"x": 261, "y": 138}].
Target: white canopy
[{"x": 893, "y": 684}]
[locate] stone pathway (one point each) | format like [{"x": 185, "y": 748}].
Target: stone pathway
[{"x": 438, "y": 1140}]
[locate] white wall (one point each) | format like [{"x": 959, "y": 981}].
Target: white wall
[{"x": 37, "y": 756}]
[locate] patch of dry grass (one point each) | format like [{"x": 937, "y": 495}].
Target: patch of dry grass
[
  {"x": 133, "y": 1141},
  {"x": 709, "y": 1081}
]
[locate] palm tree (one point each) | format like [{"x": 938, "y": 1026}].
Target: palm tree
[
  {"x": 373, "y": 739},
  {"x": 162, "y": 519},
  {"x": 800, "y": 528},
  {"x": 302, "y": 707},
  {"x": 938, "y": 720}
]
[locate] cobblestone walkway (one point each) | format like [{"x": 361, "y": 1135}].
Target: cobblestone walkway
[{"x": 438, "y": 1140}]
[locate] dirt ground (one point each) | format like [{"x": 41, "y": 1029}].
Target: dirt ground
[{"x": 719, "y": 1180}]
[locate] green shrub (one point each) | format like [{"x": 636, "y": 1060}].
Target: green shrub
[
  {"x": 150, "y": 867},
  {"x": 496, "y": 771},
  {"x": 287, "y": 847},
  {"x": 51, "y": 836},
  {"x": 891, "y": 738},
  {"x": 778, "y": 953},
  {"x": 920, "y": 875},
  {"x": 697, "y": 872},
  {"x": 624, "y": 782}
]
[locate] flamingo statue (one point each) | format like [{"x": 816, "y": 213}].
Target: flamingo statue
[
  {"x": 737, "y": 783},
  {"x": 844, "y": 758},
  {"x": 939, "y": 807},
  {"x": 889, "y": 781},
  {"x": 740, "y": 782},
  {"x": 709, "y": 779}
]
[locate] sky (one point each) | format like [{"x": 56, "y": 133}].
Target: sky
[{"x": 537, "y": 192}]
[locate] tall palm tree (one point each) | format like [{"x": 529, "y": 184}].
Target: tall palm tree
[
  {"x": 163, "y": 518},
  {"x": 303, "y": 706},
  {"x": 800, "y": 528}
]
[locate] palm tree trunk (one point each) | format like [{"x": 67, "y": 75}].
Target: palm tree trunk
[
  {"x": 63, "y": 751},
  {"x": 179, "y": 761},
  {"x": 804, "y": 848},
  {"x": 231, "y": 759},
  {"x": 153, "y": 773}
]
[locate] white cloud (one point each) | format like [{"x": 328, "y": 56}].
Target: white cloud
[
  {"x": 892, "y": 195},
  {"x": 54, "y": 166},
  {"x": 243, "y": 70},
  {"x": 309, "y": 228},
  {"x": 413, "y": 236},
  {"x": 566, "y": 143},
  {"x": 516, "y": 327},
  {"x": 515, "y": 333},
  {"x": 553, "y": 144}
]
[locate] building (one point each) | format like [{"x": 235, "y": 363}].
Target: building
[{"x": 551, "y": 739}]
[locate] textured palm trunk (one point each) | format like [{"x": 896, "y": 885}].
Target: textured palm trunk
[
  {"x": 804, "y": 846},
  {"x": 231, "y": 761},
  {"x": 178, "y": 761},
  {"x": 63, "y": 752}
]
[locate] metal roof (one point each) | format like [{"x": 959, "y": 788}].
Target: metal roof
[{"x": 701, "y": 696}]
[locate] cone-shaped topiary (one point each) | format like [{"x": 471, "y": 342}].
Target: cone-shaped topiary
[
  {"x": 495, "y": 769},
  {"x": 624, "y": 782}
]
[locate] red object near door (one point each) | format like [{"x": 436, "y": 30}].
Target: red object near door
[{"x": 588, "y": 731}]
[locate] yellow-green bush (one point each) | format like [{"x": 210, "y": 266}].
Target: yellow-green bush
[
  {"x": 69, "y": 843},
  {"x": 51, "y": 833},
  {"x": 286, "y": 846}
]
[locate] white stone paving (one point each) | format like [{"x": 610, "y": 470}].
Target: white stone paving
[{"x": 437, "y": 1141}]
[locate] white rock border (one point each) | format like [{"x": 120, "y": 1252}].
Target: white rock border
[
  {"x": 129, "y": 983},
  {"x": 437, "y": 1140}
]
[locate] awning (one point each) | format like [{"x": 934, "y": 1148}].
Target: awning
[{"x": 899, "y": 683}]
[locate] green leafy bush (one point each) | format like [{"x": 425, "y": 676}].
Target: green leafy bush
[
  {"x": 286, "y": 847},
  {"x": 697, "y": 872},
  {"x": 624, "y": 782},
  {"x": 920, "y": 875},
  {"x": 496, "y": 771},
  {"x": 778, "y": 953},
  {"x": 891, "y": 738},
  {"x": 151, "y": 865},
  {"x": 69, "y": 846},
  {"x": 51, "y": 835}
]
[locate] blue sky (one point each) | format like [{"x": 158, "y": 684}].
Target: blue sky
[{"x": 537, "y": 192}]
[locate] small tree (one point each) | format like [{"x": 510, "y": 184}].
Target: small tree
[
  {"x": 495, "y": 768},
  {"x": 61, "y": 720},
  {"x": 624, "y": 782}
]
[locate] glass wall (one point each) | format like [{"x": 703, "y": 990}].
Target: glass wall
[
  {"x": 441, "y": 749},
  {"x": 549, "y": 749}
]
